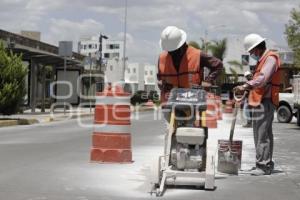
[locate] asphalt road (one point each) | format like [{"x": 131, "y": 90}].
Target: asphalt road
[{"x": 51, "y": 161}]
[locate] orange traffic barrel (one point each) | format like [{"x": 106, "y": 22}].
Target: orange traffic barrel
[
  {"x": 111, "y": 140},
  {"x": 228, "y": 107},
  {"x": 219, "y": 107},
  {"x": 211, "y": 112}
]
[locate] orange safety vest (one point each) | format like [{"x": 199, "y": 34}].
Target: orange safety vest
[
  {"x": 256, "y": 95},
  {"x": 189, "y": 73}
]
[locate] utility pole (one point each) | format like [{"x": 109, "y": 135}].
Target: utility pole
[
  {"x": 65, "y": 76},
  {"x": 90, "y": 92},
  {"x": 125, "y": 33},
  {"x": 205, "y": 41},
  {"x": 101, "y": 37}
]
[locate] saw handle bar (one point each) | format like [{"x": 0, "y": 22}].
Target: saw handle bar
[{"x": 238, "y": 98}]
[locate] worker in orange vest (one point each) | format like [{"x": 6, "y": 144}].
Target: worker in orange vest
[
  {"x": 182, "y": 66},
  {"x": 263, "y": 98}
]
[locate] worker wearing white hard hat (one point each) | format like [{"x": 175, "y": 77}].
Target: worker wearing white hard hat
[
  {"x": 172, "y": 38},
  {"x": 252, "y": 40},
  {"x": 263, "y": 98}
]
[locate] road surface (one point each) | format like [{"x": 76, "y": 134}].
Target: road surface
[{"x": 51, "y": 161}]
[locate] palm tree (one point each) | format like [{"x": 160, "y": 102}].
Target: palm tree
[
  {"x": 204, "y": 44},
  {"x": 194, "y": 44},
  {"x": 218, "y": 48},
  {"x": 235, "y": 64},
  {"x": 235, "y": 75}
]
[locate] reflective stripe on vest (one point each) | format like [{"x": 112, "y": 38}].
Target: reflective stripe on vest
[
  {"x": 256, "y": 95},
  {"x": 189, "y": 70}
]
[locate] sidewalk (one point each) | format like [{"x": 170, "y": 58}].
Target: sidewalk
[{"x": 28, "y": 117}]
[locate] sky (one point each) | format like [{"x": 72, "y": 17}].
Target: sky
[{"x": 59, "y": 20}]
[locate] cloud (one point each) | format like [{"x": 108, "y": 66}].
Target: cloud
[
  {"x": 62, "y": 29},
  {"x": 70, "y": 19}
]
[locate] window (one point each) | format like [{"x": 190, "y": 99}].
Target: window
[
  {"x": 96, "y": 46},
  {"x": 106, "y": 55},
  {"x": 111, "y": 68},
  {"x": 116, "y": 46},
  {"x": 115, "y": 55},
  {"x": 90, "y": 46},
  {"x": 245, "y": 59},
  {"x": 134, "y": 70},
  {"x": 151, "y": 73},
  {"x": 84, "y": 46},
  {"x": 113, "y": 46}
]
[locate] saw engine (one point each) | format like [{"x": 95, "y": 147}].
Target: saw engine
[{"x": 188, "y": 149}]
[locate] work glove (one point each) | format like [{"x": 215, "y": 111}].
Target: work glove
[
  {"x": 241, "y": 88},
  {"x": 206, "y": 84},
  {"x": 164, "y": 86}
]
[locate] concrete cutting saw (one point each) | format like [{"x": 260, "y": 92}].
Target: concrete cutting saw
[{"x": 186, "y": 161}]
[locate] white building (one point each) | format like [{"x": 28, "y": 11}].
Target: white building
[
  {"x": 114, "y": 70},
  {"x": 134, "y": 76},
  {"x": 150, "y": 77},
  {"x": 90, "y": 46},
  {"x": 112, "y": 49},
  {"x": 235, "y": 50},
  {"x": 137, "y": 76}
]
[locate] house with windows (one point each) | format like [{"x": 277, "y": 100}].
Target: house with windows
[
  {"x": 90, "y": 46},
  {"x": 150, "y": 78}
]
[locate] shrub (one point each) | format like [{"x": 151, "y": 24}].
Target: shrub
[
  {"x": 153, "y": 96},
  {"x": 139, "y": 97},
  {"x": 12, "y": 81}
]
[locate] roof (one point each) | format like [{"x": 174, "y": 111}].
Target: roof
[{"x": 43, "y": 52}]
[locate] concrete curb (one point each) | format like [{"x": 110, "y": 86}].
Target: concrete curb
[
  {"x": 22, "y": 121},
  {"x": 14, "y": 122}
]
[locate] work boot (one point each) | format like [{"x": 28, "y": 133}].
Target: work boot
[{"x": 257, "y": 172}]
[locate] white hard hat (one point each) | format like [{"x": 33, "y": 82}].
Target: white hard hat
[
  {"x": 247, "y": 73},
  {"x": 252, "y": 40},
  {"x": 172, "y": 38}
]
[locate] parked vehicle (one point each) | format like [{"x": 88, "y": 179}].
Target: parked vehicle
[
  {"x": 286, "y": 110},
  {"x": 296, "y": 91}
]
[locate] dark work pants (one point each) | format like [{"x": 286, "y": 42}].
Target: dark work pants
[{"x": 263, "y": 134}]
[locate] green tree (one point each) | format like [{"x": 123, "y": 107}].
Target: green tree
[
  {"x": 234, "y": 74},
  {"x": 292, "y": 32},
  {"x": 233, "y": 69},
  {"x": 218, "y": 48},
  {"x": 202, "y": 46},
  {"x": 12, "y": 81},
  {"x": 194, "y": 44},
  {"x": 236, "y": 64}
]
